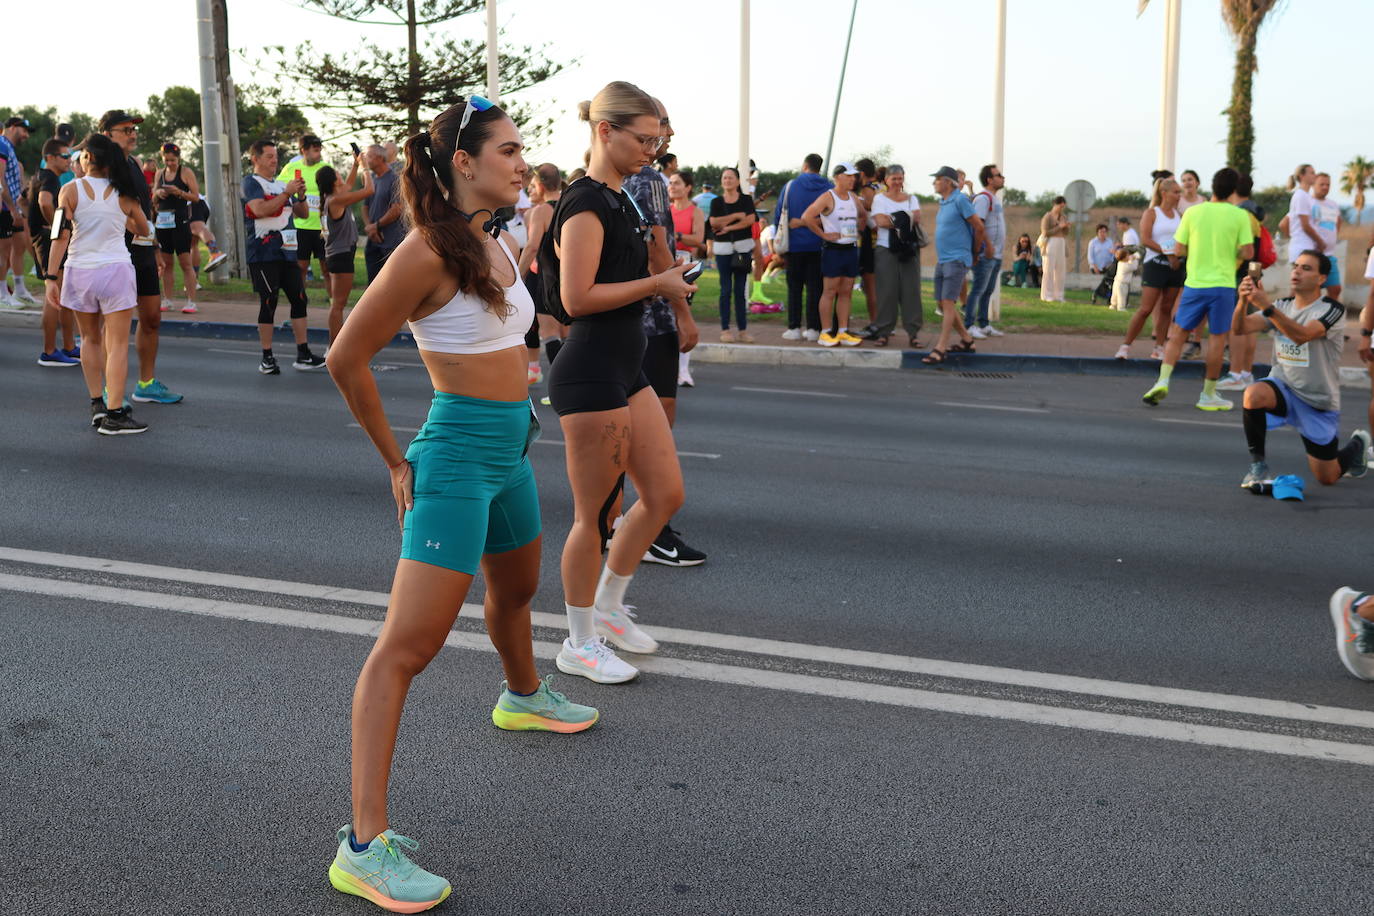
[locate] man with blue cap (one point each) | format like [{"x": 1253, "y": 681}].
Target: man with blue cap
[{"x": 1303, "y": 387}]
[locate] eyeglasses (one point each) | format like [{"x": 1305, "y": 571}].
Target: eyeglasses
[
  {"x": 651, "y": 143},
  {"x": 475, "y": 103},
  {"x": 131, "y": 129}
]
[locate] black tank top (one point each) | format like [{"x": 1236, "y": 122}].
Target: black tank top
[
  {"x": 178, "y": 205},
  {"x": 624, "y": 254}
]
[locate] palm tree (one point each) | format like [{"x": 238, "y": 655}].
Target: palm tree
[
  {"x": 1358, "y": 174},
  {"x": 1243, "y": 18}
]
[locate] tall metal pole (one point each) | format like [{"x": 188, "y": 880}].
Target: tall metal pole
[
  {"x": 999, "y": 88},
  {"x": 212, "y": 136},
  {"x": 839, "y": 90},
  {"x": 744, "y": 91},
  {"x": 233, "y": 241},
  {"x": 1168, "y": 116},
  {"x": 493, "y": 77}
]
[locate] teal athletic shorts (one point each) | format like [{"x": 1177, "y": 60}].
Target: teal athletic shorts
[{"x": 474, "y": 489}]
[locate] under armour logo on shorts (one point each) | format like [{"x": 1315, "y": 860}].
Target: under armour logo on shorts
[{"x": 434, "y": 544}]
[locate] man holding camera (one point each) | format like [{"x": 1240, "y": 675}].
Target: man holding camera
[{"x": 1303, "y": 389}]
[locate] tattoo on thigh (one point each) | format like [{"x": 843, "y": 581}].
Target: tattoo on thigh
[{"x": 620, "y": 438}]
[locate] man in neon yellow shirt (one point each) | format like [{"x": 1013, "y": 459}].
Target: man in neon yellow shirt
[
  {"x": 1215, "y": 237},
  {"x": 309, "y": 235}
]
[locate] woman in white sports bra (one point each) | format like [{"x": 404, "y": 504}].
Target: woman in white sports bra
[
  {"x": 1161, "y": 276},
  {"x": 98, "y": 276},
  {"x": 465, "y": 493}
]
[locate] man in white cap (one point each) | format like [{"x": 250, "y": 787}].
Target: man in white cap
[{"x": 837, "y": 217}]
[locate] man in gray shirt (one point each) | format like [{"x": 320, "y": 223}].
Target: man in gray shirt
[
  {"x": 383, "y": 227},
  {"x": 1303, "y": 389},
  {"x": 987, "y": 266}
]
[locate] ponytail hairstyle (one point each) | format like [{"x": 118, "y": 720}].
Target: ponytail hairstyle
[
  {"x": 1295, "y": 179},
  {"x": 434, "y": 208},
  {"x": 1161, "y": 185},
  {"x": 618, "y": 103},
  {"x": 109, "y": 157},
  {"x": 326, "y": 179}
]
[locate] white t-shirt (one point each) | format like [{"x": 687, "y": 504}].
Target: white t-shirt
[
  {"x": 1326, "y": 215},
  {"x": 766, "y": 239},
  {"x": 1130, "y": 237},
  {"x": 1369, "y": 266},
  {"x": 1298, "y": 240},
  {"x": 884, "y": 204}
]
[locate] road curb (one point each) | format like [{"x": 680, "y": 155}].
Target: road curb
[
  {"x": 13, "y": 318},
  {"x": 817, "y": 357}
]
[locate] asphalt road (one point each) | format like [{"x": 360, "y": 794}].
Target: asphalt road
[{"x": 963, "y": 645}]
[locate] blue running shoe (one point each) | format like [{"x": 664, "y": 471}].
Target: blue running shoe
[
  {"x": 384, "y": 874},
  {"x": 56, "y": 358},
  {"x": 74, "y": 352},
  {"x": 544, "y": 710},
  {"x": 154, "y": 392}
]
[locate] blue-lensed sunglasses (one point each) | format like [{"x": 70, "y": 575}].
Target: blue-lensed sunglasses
[{"x": 475, "y": 103}]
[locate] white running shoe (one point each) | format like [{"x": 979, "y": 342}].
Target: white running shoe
[
  {"x": 1157, "y": 353},
  {"x": 792, "y": 334},
  {"x": 8, "y": 301},
  {"x": 1235, "y": 381},
  {"x": 595, "y": 661},
  {"x": 22, "y": 294},
  {"x": 1213, "y": 402},
  {"x": 1354, "y": 634},
  {"x": 1123, "y": 351},
  {"x": 811, "y": 334},
  {"x": 993, "y": 332},
  {"x": 618, "y": 625},
  {"x": 684, "y": 377},
  {"x": 977, "y": 333}
]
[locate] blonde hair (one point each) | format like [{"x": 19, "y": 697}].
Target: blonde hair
[
  {"x": 1293, "y": 181},
  {"x": 619, "y": 103},
  {"x": 1157, "y": 198}
]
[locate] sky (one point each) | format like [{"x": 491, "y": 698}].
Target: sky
[{"x": 1083, "y": 78}]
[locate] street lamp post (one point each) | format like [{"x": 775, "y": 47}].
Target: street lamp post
[
  {"x": 744, "y": 91},
  {"x": 839, "y": 90},
  {"x": 493, "y": 76}
]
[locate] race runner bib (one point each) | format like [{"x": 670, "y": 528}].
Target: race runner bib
[
  {"x": 1291, "y": 354},
  {"x": 288, "y": 239},
  {"x": 144, "y": 241},
  {"x": 313, "y": 202},
  {"x": 849, "y": 231},
  {"x": 166, "y": 219},
  {"x": 1168, "y": 244}
]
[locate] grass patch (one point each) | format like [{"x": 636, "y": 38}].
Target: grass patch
[{"x": 1022, "y": 309}]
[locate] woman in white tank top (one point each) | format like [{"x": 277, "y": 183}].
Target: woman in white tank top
[
  {"x": 98, "y": 276},
  {"x": 1162, "y": 272},
  {"x": 465, "y": 493},
  {"x": 838, "y": 217}
]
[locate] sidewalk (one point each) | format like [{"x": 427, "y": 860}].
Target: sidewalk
[{"x": 1074, "y": 353}]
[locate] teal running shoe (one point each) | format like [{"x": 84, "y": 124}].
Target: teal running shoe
[
  {"x": 544, "y": 710},
  {"x": 154, "y": 392},
  {"x": 384, "y": 874}
]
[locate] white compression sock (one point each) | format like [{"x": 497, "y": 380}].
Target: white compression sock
[
  {"x": 580, "y": 627},
  {"x": 610, "y": 592},
  {"x": 683, "y": 359}
]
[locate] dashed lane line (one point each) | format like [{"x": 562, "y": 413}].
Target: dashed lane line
[{"x": 993, "y": 407}]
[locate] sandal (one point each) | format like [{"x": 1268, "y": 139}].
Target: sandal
[
  {"x": 963, "y": 346},
  {"x": 934, "y": 357},
  {"x": 880, "y": 340}
]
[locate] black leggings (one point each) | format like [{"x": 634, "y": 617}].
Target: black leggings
[{"x": 272, "y": 277}]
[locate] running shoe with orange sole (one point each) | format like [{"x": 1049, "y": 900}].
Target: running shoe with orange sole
[{"x": 384, "y": 874}]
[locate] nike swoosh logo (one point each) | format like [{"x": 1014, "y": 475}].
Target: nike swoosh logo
[
  {"x": 670, "y": 554},
  {"x": 620, "y": 631},
  {"x": 589, "y": 662}
]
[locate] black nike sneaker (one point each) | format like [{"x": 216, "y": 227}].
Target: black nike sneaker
[{"x": 668, "y": 549}]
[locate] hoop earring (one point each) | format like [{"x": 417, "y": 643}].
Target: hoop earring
[{"x": 467, "y": 177}]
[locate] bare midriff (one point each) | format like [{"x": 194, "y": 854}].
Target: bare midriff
[{"x": 496, "y": 376}]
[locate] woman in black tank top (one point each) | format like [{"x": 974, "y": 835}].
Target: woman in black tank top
[
  {"x": 612, "y": 420},
  {"x": 174, "y": 189}
]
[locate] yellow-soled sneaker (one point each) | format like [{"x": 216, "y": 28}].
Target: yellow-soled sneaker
[
  {"x": 384, "y": 874},
  {"x": 545, "y": 710}
]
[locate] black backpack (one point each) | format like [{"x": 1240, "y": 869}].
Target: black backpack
[{"x": 547, "y": 258}]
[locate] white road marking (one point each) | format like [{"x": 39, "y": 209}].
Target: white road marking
[
  {"x": 1033, "y": 713},
  {"x": 543, "y": 441},
  {"x": 809, "y": 394},
  {"x": 1173, "y": 696},
  {"x": 1198, "y": 422},
  {"x": 993, "y": 407}
]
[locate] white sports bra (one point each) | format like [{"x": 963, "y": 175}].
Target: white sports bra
[{"x": 464, "y": 324}]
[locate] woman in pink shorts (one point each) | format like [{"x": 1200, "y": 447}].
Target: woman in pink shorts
[{"x": 98, "y": 276}]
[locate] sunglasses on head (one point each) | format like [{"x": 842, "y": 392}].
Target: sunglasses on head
[
  {"x": 171, "y": 148},
  {"x": 475, "y": 103}
]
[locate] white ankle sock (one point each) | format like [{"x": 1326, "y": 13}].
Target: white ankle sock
[
  {"x": 610, "y": 591},
  {"x": 580, "y": 627}
]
